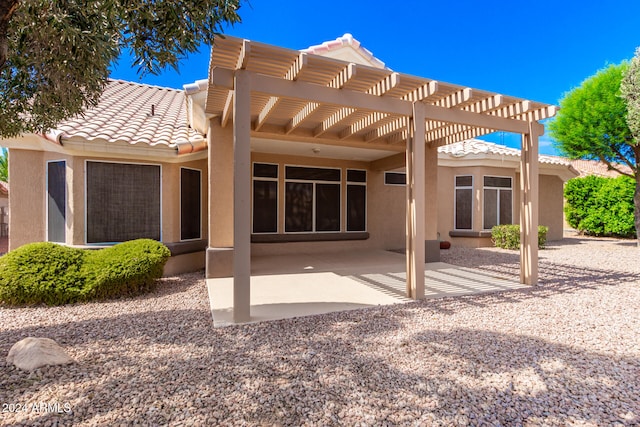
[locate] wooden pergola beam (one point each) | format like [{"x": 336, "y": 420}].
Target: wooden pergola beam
[
  {"x": 292, "y": 74},
  {"x": 338, "y": 82},
  {"x": 278, "y": 87}
]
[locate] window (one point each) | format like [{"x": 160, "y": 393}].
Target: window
[
  {"x": 56, "y": 201},
  {"x": 123, "y": 202},
  {"x": 498, "y": 196},
  {"x": 312, "y": 199},
  {"x": 190, "y": 204},
  {"x": 464, "y": 202},
  {"x": 395, "y": 178},
  {"x": 265, "y": 198},
  {"x": 356, "y": 200}
]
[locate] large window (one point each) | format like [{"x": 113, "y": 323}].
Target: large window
[
  {"x": 498, "y": 196},
  {"x": 312, "y": 199},
  {"x": 56, "y": 201},
  {"x": 190, "y": 204},
  {"x": 265, "y": 198},
  {"x": 464, "y": 202},
  {"x": 356, "y": 200},
  {"x": 123, "y": 202}
]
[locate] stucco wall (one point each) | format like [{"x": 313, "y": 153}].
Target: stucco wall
[{"x": 28, "y": 196}]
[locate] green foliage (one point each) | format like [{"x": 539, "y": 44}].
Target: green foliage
[
  {"x": 601, "y": 206},
  {"x": 591, "y": 123},
  {"x": 508, "y": 236},
  {"x": 55, "y": 55},
  {"x": 55, "y": 275},
  {"x": 630, "y": 91},
  {"x": 4, "y": 165}
]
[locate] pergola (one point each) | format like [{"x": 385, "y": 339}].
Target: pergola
[{"x": 263, "y": 91}]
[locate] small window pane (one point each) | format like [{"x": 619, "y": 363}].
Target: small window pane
[
  {"x": 395, "y": 178},
  {"x": 327, "y": 207},
  {"x": 298, "y": 207},
  {"x": 57, "y": 199},
  {"x": 190, "y": 204},
  {"x": 356, "y": 175},
  {"x": 263, "y": 170},
  {"x": 464, "y": 181},
  {"x": 265, "y": 206},
  {"x": 490, "y": 208},
  {"x": 464, "y": 201},
  {"x": 505, "y": 207},
  {"x": 495, "y": 181},
  {"x": 312, "y": 174},
  {"x": 356, "y": 207}
]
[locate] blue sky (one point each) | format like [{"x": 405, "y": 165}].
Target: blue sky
[{"x": 534, "y": 50}]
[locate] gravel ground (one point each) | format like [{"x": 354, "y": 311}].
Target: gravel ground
[{"x": 564, "y": 353}]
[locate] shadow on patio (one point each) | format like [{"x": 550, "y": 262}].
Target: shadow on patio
[{"x": 307, "y": 284}]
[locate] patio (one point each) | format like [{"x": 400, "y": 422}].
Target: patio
[{"x": 308, "y": 284}]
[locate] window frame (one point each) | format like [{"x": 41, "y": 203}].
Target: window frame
[
  {"x": 66, "y": 199},
  {"x": 313, "y": 199},
  {"x": 346, "y": 201},
  {"x": 161, "y": 199},
  {"x": 260, "y": 178},
  {"x": 395, "y": 173},
  {"x": 180, "y": 214},
  {"x": 455, "y": 200},
  {"x": 498, "y": 189}
]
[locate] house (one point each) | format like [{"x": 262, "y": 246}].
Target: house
[{"x": 282, "y": 151}]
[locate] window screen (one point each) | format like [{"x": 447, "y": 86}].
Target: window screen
[
  {"x": 395, "y": 178},
  {"x": 327, "y": 207},
  {"x": 265, "y": 206},
  {"x": 190, "y": 204},
  {"x": 298, "y": 207},
  {"x": 56, "y": 201},
  {"x": 123, "y": 202},
  {"x": 356, "y": 207},
  {"x": 464, "y": 202}
]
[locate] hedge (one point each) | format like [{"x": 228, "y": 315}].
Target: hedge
[
  {"x": 508, "y": 236},
  {"x": 54, "y": 275},
  {"x": 601, "y": 206}
]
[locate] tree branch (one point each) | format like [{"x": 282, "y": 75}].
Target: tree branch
[{"x": 7, "y": 9}]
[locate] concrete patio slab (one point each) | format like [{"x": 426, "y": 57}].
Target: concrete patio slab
[{"x": 308, "y": 284}]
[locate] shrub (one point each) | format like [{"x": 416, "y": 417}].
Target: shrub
[
  {"x": 508, "y": 236},
  {"x": 55, "y": 275},
  {"x": 601, "y": 206}
]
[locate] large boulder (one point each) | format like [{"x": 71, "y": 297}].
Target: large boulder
[{"x": 32, "y": 353}]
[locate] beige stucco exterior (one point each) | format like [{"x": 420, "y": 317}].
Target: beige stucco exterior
[
  {"x": 385, "y": 214},
  {"x": 28, "y": 172}
]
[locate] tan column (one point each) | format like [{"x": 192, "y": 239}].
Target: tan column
[
  {"x": 242, "y": 198},
  {"x": 432, "y": 244},
  {"x": 529, "y": 207},
  {"x": 220, "y": 197},
  {"x": 415, "y": 203}
]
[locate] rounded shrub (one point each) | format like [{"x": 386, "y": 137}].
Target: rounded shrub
[
  {"x": 508, "y": 236},
  {"x": 55, "y": 275}
]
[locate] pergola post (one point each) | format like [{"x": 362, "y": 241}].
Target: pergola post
[
  {"x": 415, "y": 153},
  {"x": 242, "y": 197},
  {"x": 432, "y": 243},
  {"x": 529, "y": 207}
]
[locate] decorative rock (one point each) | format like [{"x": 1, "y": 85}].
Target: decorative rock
[{"x": 32, "y": 353}]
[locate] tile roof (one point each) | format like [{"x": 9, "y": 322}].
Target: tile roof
[
  {"x": 346, "y": 40},
  {"x": 478, "y": 147},
  {"x": 594, "y": 167},
  {"x": 135, "y": 113}
]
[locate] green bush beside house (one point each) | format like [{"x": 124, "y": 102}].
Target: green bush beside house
[
  {"x": 54, "y": 275},
  {"x": 508, "y": 236}
]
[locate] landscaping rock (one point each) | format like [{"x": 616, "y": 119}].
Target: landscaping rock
[{"x": 33, "y": 353}]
